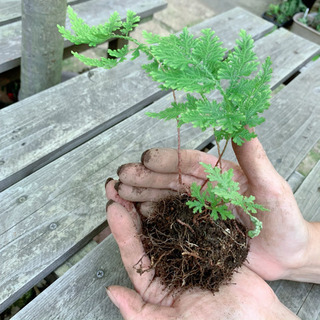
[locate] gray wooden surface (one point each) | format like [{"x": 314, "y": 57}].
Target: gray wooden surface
[
  {"x": 79, "y": 293},
  {"x": 10, "y": 10},
  {"x": 77, "y": 110},
  {"x": 94, "y": 12},
  {"x": 56, "y": 210}
]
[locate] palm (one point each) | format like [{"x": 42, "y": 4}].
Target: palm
[
  {"x": 152, "y": 301},
  {"x": 277, "y": 248}
]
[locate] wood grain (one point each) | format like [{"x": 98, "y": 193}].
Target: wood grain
[
  {"x": 56, "y": 210},
  {"x": 80, "y": 293},
  {"x": 81, "y": 108},
  {"x": 10, "y": 10},
  {"x": 94, "y": 12},
  {"x": 68, "y": 194},
  {"x": 311, "y": 307}
]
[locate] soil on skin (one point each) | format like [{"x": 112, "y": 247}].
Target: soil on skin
[{"x": 188, "y": 250}]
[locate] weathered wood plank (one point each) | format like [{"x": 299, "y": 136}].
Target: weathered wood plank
[
  {"x": 94, "y": 12},
  {"x": 308, "y": 195},
  {"x": 292, "y": 124},
  {"x": 295, "y": 180},
  {"x": 81, "y": 292},
  {"x": 291, "y": 293},
  {"x": 77, "y": 110},
  {"x": 303, "y": 298},
  {"x": 311, "y": 307},
  {"x": 61, "y": 203},
  {"x": 75, "y": 259},
  {"x": 10, "y": 10}
]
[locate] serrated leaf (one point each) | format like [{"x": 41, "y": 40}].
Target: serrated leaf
[
  {"x": 169, "y": 113},
  {"x": 102, "y": 62},
  {"x": 131, "y": 22},
  {"x": 119, "y": 53},
  {"x": 225, "y": 191},
  {"x": 150, "y": 37}
]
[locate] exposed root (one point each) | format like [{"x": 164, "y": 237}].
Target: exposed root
[{"x": 188, "y": 250}]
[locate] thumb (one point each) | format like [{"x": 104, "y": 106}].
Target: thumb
[
  {"x": 132, "y": 306},
  {"x": 254, "y": 162}
]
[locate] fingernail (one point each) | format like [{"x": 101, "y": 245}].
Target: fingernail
[
  {"x": 109, "y": 203},
  {"x": 120, "y": 169},
  {"x": 117, "y": 185},
  {"x": 107, "y": 181},
  {"x": 112, "y": 298},
  {"x": 145, "y": 157}
]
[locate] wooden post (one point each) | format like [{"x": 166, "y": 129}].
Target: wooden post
[{"x": 42, "y": 45}]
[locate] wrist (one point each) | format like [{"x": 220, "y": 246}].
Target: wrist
[{"x": 309, "y": 268}]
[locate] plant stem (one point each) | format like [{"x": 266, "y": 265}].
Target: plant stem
[
  {"x": 221, "y": 153},
  {"x": 179, "y": 143}
]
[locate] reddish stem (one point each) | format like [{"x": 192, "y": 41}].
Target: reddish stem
[
  {"x": 179, "y": 143},
  {"x": 220, "y": 154}
]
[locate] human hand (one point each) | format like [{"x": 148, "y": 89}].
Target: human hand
[
  {"x": 247, "y": 297},
  {"x": 284, "y": 247}
]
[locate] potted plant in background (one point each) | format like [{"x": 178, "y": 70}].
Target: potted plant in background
[
  {"x": 282, "y": 14},
  {"x": 307, "y": 25},
  {"x": 199, "y": 224}
]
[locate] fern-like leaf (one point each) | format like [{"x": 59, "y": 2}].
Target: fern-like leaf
[
  {"x": 225, "y": 191},
  {"x": 92, "y": 36},
  {"x": 241, "y": 62},
  {"x": 131, "y": 22},
  {"x": 102, "y": 62}
]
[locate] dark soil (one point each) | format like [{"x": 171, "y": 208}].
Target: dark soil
[{"x": 188, "y": 250}]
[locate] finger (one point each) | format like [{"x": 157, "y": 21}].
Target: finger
[
  {"x": 255, "y": 163},
  {"x": 132, "y": 306},
  {"x": 137, "y": 194},
  {"x": 113, "y": 195},
  {"x": 146, "y": 208},
  {"x": 136, "y": 174},
  {"x": 166, "y": 161},
  {"x": 125, "y": 228}
]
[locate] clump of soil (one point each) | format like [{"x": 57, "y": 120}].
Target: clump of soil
[{"x": 188, "y": 250}]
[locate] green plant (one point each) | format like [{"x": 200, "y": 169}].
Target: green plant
[
  {"x": 197, "y": 66},
  {"x": 313, "y": 22},
  {"x": 285, "y": 10}
]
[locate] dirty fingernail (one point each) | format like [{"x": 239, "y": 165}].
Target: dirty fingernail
[
  {"x": 109, "y": 203},
  {"x": 145, "y": 157},
  {"x": 107, "y": 181}
]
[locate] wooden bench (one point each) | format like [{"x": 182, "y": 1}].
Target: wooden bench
[
  {"x": 93, "y": 11},
  {"x": 54, "y": 162}
]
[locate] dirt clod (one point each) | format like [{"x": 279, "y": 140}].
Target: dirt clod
[{"x": 188, "y": 250}]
